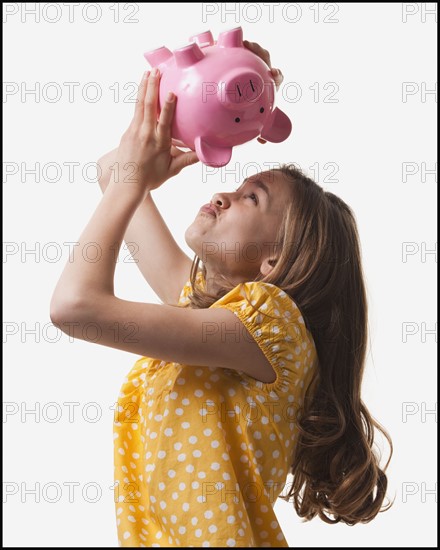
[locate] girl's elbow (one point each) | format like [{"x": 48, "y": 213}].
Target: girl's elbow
[{"x": 65, "y": 311}]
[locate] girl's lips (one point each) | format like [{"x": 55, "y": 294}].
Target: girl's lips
[{"x": 209, "y": 209}]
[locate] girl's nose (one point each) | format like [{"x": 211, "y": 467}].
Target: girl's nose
[{"x": 221, "y": 200}]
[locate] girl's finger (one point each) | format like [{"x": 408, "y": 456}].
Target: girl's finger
[
  {"x": 151, "y": 99},
  {"x": 177, "y": 163},
  {"x": 175, "y": 152},
  {"x": 165, "y": 121},
  {"x": 258, "y": 50},
  {"x": 278, "y": 77},
  {"x": 261, "y": 140},
  {"x": 139, "y": 109}
]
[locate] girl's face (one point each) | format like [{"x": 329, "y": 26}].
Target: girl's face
[{"x": 240, "y": 240}]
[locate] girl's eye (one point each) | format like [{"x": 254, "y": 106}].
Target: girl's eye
[{"x": 252, "y": 195}]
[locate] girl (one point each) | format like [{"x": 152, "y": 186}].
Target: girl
[{"x": 251, "y": 368}]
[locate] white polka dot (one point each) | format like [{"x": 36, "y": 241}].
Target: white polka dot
[
  {"x": 208, "y": 514},
  {"x": 185, "y": 506},
  {"x": 171, "y": 473},
  {"x": 197, "y": 453},
  {"x": 215, "y": 466},
  {"x": 230, "y": 542},
  {"x": 212, "y": 528},
  {"x": 179, "y": 411},
  {"x": 181, "y": 457},
  {"x": 161, "y": 454},
  {"x": 126, "y": 535},
  {"x": 168, "y": 432},
  {"x": 178, "y": 446},
  {"x": 173, "y": 519},
  {"x": 192, "y": 439},
  {"x": 215, "y": 444},
  {"x": 198, "y": 533},
  {"x": 185, "y": 425},
  {"x": 198, "y": 393},
  {"x": 194, "y": 520},
  {"x": 207, "y": 432}
]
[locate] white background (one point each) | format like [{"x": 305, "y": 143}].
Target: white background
[{"x": 368, "y": 51}]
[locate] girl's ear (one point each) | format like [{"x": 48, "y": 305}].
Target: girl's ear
[{"x": 267, "y": 266}]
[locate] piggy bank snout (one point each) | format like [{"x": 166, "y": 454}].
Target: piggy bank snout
[{"x": 240, "y": 87}]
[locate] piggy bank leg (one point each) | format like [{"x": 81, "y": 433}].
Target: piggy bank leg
[{"x": 212, "y": 155}]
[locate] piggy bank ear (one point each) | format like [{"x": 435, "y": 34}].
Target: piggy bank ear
[
  {"x": 212, "y": 155},
  {"x": 277, "y": 127}
]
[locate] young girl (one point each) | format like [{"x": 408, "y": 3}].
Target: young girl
[{"x": 252, "y": 367}]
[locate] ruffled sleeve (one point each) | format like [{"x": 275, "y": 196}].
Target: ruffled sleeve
[
  {"x": 277, "y": 326},
  {"x": 186, "y": 290}
]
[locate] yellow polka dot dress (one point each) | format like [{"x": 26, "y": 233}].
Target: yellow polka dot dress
[{"x": 202, "y": 453}]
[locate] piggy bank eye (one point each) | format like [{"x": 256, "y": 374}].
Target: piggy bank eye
[
  {"x": 262, "y": 110},
  {"x": 237, "y": 120}
]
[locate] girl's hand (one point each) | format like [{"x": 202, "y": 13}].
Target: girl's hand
[
  {"x": 265, "y": 56},
  {"x": 146, "y": 157}
]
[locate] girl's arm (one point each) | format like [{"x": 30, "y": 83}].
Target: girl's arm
[
  {"x": 84, "y": 297},
  {"x": 161, "y": 261}
]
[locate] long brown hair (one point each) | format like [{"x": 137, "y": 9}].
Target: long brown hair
[{"x": 335, "y": 470}]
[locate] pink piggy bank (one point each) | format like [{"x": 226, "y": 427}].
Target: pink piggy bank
[{"x": 225, "y": 95}]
